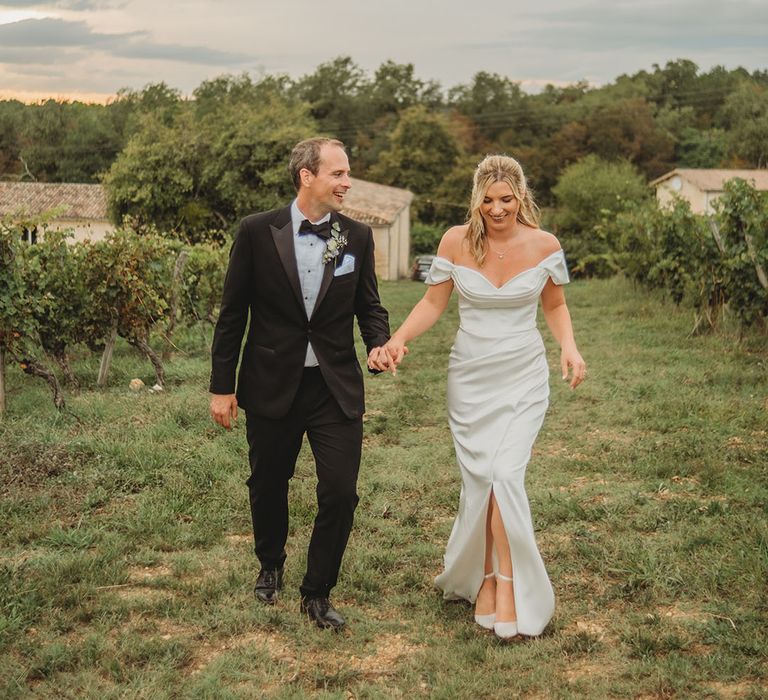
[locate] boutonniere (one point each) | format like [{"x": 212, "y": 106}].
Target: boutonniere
[{"x": 335, "y": 243}]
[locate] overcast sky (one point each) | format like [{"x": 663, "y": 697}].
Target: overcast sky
[{"x": 81, "y": 48}]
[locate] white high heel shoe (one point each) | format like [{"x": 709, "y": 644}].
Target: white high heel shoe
[
  {"x": 486, "y": 621},
  {"x": 505, "y": 630}
]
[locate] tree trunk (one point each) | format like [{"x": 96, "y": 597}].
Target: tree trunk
[
  {"x": 34, "y": 368},
  {"x": 178, "y": 270},
  {"x": 143, "y": 346},
  {"x": 2, "y": 380},
  {"x": 761, "y": 276},
  {"x": 63, "y": 361},
  {"x": 106, "y": 357}
]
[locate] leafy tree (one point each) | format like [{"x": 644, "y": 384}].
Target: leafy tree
[
  {"x": 208, "y": 169},
  {"x": 154, "y": 179},
  {"x": 627, "y": 129},
  {"x": 746, "y": 115},
  {"x": 588, "y": 193},
  {"x": 211, "y": 95},
  {"x": 496, "y": 105},
  {"x": 44, "y": 132},
  {"x": 421, "y": 152},
  {"x": 333, "y": 93},
  {"x": 54, "y": 279},
  {"x": 702, "y": 149},
  {"x": 395, "y": 88},
  {"x": 742, "y": 219},
  {"x": 11, "y": 121},
  {"x": 19, "y": 314}
]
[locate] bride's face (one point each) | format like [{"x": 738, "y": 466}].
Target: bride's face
[{"x": 500, "y": 206}]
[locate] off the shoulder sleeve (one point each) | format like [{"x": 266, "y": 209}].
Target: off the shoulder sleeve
[
  {"x": 440, "y": 271},
  {"x": 556, "y": 267}
]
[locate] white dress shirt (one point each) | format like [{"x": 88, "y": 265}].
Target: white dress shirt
[{"x": 309, "y": 260}]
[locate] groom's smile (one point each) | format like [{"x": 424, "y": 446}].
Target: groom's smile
[{"x": 324, "y": 192}]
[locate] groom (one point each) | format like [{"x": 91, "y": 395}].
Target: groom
[{"x": 302, "y": 273}]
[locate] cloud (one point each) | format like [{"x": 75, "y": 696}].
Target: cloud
[
  {"x": 39, "y": 36},
  {"x": 598, "y": 27},
  {"x": 75, "y": 5}
]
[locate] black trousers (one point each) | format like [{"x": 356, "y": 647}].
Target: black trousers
[{"x": 274, "y": 445}]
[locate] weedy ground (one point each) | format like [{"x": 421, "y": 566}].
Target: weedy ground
[{"x": 126, "y": 562}]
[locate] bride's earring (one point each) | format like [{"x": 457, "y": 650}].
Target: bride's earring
[{"x": 486, "y": 621}]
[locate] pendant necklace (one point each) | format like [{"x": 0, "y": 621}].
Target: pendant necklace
[{"x": 501, "y": 255}]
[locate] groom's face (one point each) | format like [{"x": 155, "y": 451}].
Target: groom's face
[{"x": 328, "y": 187}]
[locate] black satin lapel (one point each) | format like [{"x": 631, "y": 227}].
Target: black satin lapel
[
  {"x": 328, "y": 271},
  {"x": 283, "y": 238}
]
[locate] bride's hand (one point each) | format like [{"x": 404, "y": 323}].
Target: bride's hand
[
  {"x": 396, "y": 350},
  {"x": 378, "y": 360},
  {"x": 571, "y": 359}
]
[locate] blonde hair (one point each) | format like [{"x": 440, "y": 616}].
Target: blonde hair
[{"x": 497, "y": 168}]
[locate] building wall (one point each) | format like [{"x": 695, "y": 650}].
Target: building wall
[
  {"x": 381, "y": 251},
  {"x": 701, "y": 202},
  {"x": 85, "y": 230},
  {"x": 392, "y": 247},
  {"x": 404, "y": 261}
]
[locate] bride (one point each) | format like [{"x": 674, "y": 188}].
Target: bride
[{"x": 500, "y": 263}]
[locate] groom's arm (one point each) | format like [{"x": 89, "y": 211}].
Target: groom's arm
[
  {"x": 233, "y": 315},
  {"x": 372, "y": 317}
]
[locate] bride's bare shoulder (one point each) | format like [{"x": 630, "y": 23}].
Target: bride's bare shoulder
[
  {"x": 545, "y": 242},
  {"x": 451, "y": 242}
]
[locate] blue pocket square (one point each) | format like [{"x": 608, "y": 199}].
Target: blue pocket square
[{"x": 347, "y": 265}]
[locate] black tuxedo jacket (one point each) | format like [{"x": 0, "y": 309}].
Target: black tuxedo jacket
[{"x": 263, "y": 280}]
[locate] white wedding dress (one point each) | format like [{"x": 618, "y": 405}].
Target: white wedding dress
[{"x": 498, "y": 392}]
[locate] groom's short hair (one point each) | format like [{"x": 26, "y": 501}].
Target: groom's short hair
[{"x": 306, "y": 154}]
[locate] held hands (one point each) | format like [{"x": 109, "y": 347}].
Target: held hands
[
  {"x": 571, "y": 359},
  {"x": 396, "y": 350},
  {"x": 388, "y": 357},
  {"x": 223, "y": 407}
]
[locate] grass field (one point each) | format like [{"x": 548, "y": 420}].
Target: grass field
[{"x": 126, "y": 568}]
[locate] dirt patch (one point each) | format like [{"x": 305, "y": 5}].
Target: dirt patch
[
  {"x": 386, "y": 653},
  {"x": 677, "y": 613},
  {"x": 733, "y": 690},
  {"x": 138, "y": 593},
  {"x": 579, "y": 670},
  {"x": 33, "y": 465},
  {"x": 384, "y": 660},
  {"x": 208, "y": 651},
  {"x": 144, "y": 574},
  {"x": 239, "y": 539},
  {"x": 593, "y": 628}
]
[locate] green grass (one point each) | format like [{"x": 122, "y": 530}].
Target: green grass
[{"x": 126, "y": 562}]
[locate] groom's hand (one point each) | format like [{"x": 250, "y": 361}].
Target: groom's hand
[
  {"x": 224, "y": 407},
  {"x": 378, "y": 360}
]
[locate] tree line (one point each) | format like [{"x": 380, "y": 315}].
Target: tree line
[{"x": 198, "y": 164}]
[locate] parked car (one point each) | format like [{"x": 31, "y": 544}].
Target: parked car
[{"x": 421, "y": 267}]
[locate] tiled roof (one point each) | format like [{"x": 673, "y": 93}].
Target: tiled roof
[
  {"x": 375, "y": 204},
  {"x": 33, "y": 198},
  {"x": 712, "y": 180}
]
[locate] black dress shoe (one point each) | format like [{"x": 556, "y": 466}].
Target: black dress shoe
[
  {"x": 269, "y": 582},
  {"x": 323, "y": 613}
]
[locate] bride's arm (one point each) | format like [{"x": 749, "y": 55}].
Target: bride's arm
[
  {"x": 423, "y": 316},
  {"x": 558, "y": 319},
  {"x": 426, "y": 312}
]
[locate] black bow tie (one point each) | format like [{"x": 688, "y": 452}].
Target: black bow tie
[{"x": 323, "y": 230}]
